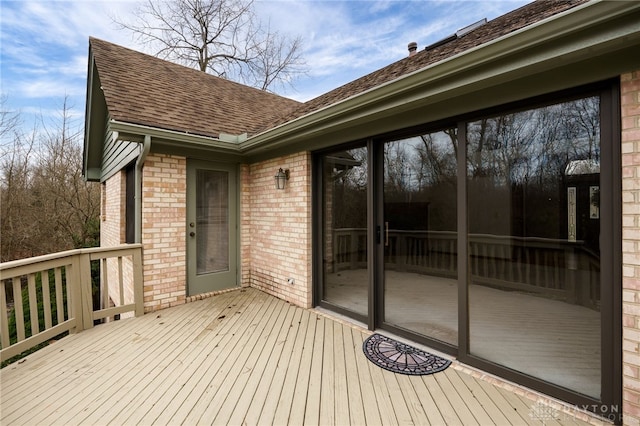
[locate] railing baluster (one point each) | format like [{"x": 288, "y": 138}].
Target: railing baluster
[
  {"x": 4, "y": 316},
  {"x": 121, "y": 280},
  {"x": 33, "y": 304},
  {"x": 59, "y": 295},
  {"x": 46, "y": 299},
  {"x": 17, "y": 306},
  {"x": 104, "y": 285}
]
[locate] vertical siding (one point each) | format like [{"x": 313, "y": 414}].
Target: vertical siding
[{"x": 117, "y": 154}]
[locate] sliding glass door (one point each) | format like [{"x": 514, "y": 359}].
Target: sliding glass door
[
  {"x": 345, "y": 276},
  {"x": 534, "y": 242},
  {"x": 420, "y": 290},
  {"x": 494, "y": 238}
]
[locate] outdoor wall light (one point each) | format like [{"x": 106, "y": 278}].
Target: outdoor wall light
[{"x": 281, "y": 177}]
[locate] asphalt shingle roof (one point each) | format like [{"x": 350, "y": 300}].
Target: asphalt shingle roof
[
  {"x": 142, "y": 89},
  {"x": 496, "y": 28}
]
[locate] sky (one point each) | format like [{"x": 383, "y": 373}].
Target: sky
[{"x": 44, "y": 43}]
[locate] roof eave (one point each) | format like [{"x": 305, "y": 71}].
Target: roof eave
[
  {"x": 136, "y": 132},
  {"x": 563, "y": 36}
]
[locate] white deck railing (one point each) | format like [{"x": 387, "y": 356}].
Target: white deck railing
[{"x": 58, "y": 290}]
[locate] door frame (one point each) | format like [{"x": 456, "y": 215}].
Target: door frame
[{"x": 234, "y": 220}]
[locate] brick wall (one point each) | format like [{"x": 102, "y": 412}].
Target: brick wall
[
  {"x": 245, "y": 225},
  {"x": 276, "y": 233},
  {"x": 164, "y": 212},
  {"x": 630, "y": 103},
  {"x": 112, "y": 233}
]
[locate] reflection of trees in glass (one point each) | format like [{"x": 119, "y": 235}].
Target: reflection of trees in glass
[
  {"x": 503, "y": 146},
  {"x": 422, "y": 170},
  {"x": 413, "y": 164},
  {"x": 346, "y": 182},
  {"x": 535, "y": 144},
  {"x": 518, "y": 163}
]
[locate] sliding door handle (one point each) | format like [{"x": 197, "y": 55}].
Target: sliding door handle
[{"x": 386, "y": 234}]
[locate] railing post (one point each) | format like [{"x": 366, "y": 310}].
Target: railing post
[
  {"x": 74, "y": 294},
  {"x": 138, "y": 282},
  {"x": 86, "y": 290}
]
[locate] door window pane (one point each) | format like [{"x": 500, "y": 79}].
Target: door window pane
[
  {"x": 346, "y": 280},
  {"x": 420, "y": 238},
  {"x": 534, "y": 253},
  {"x": 212, "y": 220}
]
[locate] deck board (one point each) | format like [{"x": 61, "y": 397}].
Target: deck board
[
  {"x": 241, "y": 357},
  {"x": 356, "y": 406},
  {"x": 290, "y": 372},
  {"x": 298, "y": 405},
  {"x": 314, "y": 384},
  {"x": 186, "y": 366},
  {"x": 270, "y": 389}
]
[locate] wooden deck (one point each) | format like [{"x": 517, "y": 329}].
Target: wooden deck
[{"x": 244, "y": 357}]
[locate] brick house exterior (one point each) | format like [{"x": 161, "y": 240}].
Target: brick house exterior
[
  {"x": 279, "y": 230},
  {"x": 630, "y": 107},
  {"x": 276, "y": 246}
]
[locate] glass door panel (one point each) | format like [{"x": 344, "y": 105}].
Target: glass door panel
[
  {"x": 345, "y": 272},
  {"x": 212, "y": 221},
  {"x": 534, "y": 251},
  {"x": 211, "y": 227},
  {"x": 419, "y": 235}
]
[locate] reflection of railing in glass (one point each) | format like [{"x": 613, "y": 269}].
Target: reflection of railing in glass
[{"x": 552, "y": 268}]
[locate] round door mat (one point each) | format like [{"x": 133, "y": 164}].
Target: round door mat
[{"x": 401, "y": 358}]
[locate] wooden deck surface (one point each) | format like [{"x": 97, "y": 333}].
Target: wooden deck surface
[{"x": 244, "y": 357}]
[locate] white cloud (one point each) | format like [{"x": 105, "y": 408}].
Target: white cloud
[
  {"x": 48, "y": 88},
  {"x": 348, "y": 39},
  {"x": 45, "y": 42}
]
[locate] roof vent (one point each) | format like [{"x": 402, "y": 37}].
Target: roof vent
[
  {"x": 458, "y": 34},
  {"x": 469, "y": 28},
  {"x": 413, "y": 47}
]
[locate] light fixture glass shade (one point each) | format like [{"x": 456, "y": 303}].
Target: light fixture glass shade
[{"x": 280, "y": 178}]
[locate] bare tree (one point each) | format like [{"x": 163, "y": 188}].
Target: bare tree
[
  {"x": 9, "y": 121},
  {"x": 45, "y": 204},
  {"x": 222, "y": 37}
]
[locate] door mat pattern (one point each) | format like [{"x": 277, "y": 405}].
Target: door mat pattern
[{"x": 401, "y": 358}]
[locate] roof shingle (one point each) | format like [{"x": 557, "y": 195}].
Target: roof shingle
[
  {"x": 142, "y": 89},
  {"x": 494, "y": 29}
]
